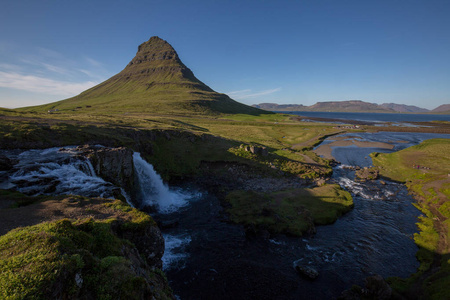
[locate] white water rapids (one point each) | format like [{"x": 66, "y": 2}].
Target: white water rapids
[
  {"x": 153, "y": 190},
  {"x": 54, "y": 172}
]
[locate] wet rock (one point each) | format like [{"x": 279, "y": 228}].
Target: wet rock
[
  {"x": 366, "y": 173},
  {"x": 114, "y": 165},
  {"x": 306, "y": 271},
  {"x": 5, "y": 163}
]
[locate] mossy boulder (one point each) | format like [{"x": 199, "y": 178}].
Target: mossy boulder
[
  {"x": 115, "y": 254},
  {"x": 367, "y": 173}
]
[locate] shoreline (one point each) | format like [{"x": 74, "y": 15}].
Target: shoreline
[{"x": 345, "y": 141}]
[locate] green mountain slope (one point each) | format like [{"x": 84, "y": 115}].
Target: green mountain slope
[{"x": 155, "y": 81}]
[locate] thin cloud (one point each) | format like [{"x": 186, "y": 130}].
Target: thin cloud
[
  {"x": 46, "y": 66},
  {"x": 39, "y": 84},
  {"x": 239, "y": 92},
  {"x": 245, "y": 94},
  {"x": 10, "y": 67},
  {"x": 93, "y": 62}
]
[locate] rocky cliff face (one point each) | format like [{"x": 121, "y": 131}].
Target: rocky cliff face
[{"x": 114, "y": 165}]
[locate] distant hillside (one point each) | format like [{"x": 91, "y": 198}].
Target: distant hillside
[
  {"x": 404, "y": 108},
  {"x": 155, "y": 81},
  {"x": 347, "y": 106},
  {"x": 352, "y": 106},
  {"x": 332, "y": 106},
  {"x": 280, "y": 107},
  {"x": 445, "y": 108}
]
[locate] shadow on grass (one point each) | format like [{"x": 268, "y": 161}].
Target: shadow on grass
[{"x": 431, "y": 281}]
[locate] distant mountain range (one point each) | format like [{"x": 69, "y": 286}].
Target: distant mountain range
[{"x": 353, "y": 106}]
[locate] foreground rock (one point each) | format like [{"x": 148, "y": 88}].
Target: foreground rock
[
  {"x": 114, "y": 165},
  {"x": 88, "y": 249},
  {"x": 306, "y": 271},
  {"x": 5, "y": 163}
]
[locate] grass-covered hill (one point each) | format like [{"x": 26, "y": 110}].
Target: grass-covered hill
[{"x": 154, "y": 81}]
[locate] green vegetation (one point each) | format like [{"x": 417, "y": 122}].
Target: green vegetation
[
  {"x": 293, "y": 211},
  {"x": 424, "y": 169},
  {"x": 177, "y": 146},
  {"x": 82, "y": 259},
  {"x": 9, "y": 199}
]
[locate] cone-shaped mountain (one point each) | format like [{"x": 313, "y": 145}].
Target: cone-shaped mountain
[{"x": 155, "y": 81}]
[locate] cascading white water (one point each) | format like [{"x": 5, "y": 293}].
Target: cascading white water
[
  {"x": 50, "y": 171},
  {"x": 154, "y": 191}
]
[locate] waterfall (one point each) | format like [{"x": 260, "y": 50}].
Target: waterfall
[
  {"x": 52, "y": 172},
  {"x": 153, "y": 190}
]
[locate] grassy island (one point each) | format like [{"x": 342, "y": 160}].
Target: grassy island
[{"x": 293, "y": 212}]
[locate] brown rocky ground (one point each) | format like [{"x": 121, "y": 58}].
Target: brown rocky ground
[{"x": 70, "y": 207}]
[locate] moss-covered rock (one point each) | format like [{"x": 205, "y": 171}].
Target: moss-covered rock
[{"x": 110, "y": 256}]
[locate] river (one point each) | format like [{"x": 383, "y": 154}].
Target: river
[{"x": 207, "y": 257}]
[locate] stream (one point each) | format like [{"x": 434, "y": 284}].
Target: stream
[{"x": 207, "y": 257}]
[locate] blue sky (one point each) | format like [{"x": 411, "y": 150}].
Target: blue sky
[{"x": 284, "y": 52}]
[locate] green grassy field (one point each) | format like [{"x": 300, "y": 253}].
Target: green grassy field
[{"x": 192, "y": 139}]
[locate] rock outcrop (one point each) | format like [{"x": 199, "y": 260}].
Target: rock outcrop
[
  {"x": 258, "y": 150},
  {"x": 367, "y": 173},
  {"x": 114, "y": 165},
  {"x": 307, "y": 272},
  {"x": 5, "y": 163}
]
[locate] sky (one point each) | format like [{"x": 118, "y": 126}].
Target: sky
[{"x": 285, "y": 52}]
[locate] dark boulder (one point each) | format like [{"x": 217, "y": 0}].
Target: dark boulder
[
  {"x": 305, "y": 271},
  {"x": 5, "y": 163}
]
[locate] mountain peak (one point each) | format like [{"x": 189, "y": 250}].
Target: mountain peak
[
  {"x": 154, "y": 81},
  {"x": 155, "y": 49}
]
